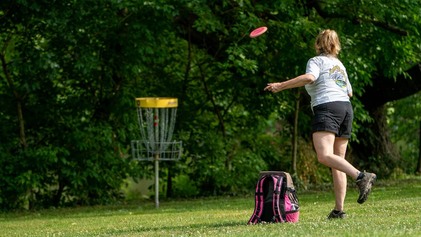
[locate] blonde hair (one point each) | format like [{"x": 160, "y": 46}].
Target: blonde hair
[{"x": 327, "y": 42}]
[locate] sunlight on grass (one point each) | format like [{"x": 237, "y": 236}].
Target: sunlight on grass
[{"x": 392, "y": 210}]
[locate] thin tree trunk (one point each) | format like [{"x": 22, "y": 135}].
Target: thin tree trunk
[
  {"x": 216, "y": 109},
  {"x": 18, "y": 97},
  {"x": 295, "y": 135},
  {"x": 418, "y": 171},
  {"x": 170, "y": 190}
]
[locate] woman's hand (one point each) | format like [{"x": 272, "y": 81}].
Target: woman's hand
[{"x": 274, "y": 87}]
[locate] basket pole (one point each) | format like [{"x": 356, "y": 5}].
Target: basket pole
[{"x": 157, "y": 180}]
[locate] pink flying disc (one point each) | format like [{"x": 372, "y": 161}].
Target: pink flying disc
[{"x": 258, "y": 31}]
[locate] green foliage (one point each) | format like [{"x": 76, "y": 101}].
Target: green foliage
[
  {"x": 71, "y": 148},
  {"x": 222, "y": 166},
  {"x": 72, "y": 69},
  {"x": 185, "y": 187}
]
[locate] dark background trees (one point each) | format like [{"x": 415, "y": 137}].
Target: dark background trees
[{"x": 72, "y": 69}]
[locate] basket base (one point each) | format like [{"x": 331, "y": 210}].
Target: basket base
[{"x": 145, "y": 150}]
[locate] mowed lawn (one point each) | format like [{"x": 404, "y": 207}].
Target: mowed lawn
[{"x": 393, "y": 209}]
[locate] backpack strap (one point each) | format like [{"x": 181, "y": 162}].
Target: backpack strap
[
  {"x": 259, "y": 202},
  {"x": 277, "y": 213},
  {"x": 282, "y": 197}
]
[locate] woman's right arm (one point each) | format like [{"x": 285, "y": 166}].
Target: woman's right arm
[{"x": 299, "y": 81}]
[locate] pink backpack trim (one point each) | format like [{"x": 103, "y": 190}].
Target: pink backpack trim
[{"x": 284, "y": 202}]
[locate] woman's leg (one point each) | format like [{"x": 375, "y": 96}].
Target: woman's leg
[
  {"x": 339, "y": 177},
  {"x": 324, "y": 144}
]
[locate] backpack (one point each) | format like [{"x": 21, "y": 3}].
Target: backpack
[{"x": 275, "y": 199}]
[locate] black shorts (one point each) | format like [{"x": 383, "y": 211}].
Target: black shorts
[{"x": 335, "y": 117}]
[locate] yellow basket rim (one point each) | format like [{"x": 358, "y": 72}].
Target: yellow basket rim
[{"x": 157, "y": 102}]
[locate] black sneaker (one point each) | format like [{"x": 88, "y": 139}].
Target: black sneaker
[
  {"x": 364, "y": 182},
  {"x": 334, "y": 214}
]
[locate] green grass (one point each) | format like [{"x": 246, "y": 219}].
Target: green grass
[{"x": 393, "y": 209}]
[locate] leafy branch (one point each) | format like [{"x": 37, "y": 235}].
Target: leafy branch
[{"x": 324, "y": 13}]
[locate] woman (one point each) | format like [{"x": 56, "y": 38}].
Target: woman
[{"x": 326, "y": 81}]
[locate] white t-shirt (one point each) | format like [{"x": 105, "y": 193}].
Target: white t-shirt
[{"x": 331, "y": 82}]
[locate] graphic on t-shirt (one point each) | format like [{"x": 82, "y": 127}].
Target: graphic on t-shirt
[{"x": 339, "y": 76}]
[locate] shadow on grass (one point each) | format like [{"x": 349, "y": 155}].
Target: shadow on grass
[{"x": 178, "y": 228}]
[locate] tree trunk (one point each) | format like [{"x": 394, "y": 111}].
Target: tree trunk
[
  {"x": 295, "y": 135},
  {"x": 19, "y": 101},
  {"x": 170, "y": 191},
  {"x": 384, "y": 89},
  {"x": 418, "y": 171},
  {"x": 374, "y": 150}
]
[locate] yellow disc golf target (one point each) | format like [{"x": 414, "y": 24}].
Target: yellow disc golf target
[{"x": 156, "y": 118}]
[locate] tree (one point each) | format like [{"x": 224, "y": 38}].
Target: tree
[
  {"x": 72, "y": 69},
  {"x": 377, "y": 148},
  {"x": 60, "y": 73},
  {"x": 380, "y": 48}
]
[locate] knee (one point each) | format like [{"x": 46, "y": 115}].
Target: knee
[{"x": 322, "y": 158}]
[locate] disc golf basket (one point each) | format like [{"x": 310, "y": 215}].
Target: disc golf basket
[{"x": 156, "y": 118}]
